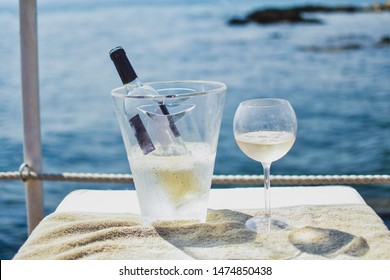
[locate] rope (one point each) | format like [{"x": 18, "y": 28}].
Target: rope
[
  {"x": 26, "y": 173},
  {"x": 303, "y": 179}
]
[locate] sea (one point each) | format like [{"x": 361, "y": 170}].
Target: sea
[{"x": 336, "y": 75}]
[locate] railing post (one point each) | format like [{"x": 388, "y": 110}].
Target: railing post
[{"x": 31, "y": 120}]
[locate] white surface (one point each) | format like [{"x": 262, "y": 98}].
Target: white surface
[{"x": 125, "y": 201}]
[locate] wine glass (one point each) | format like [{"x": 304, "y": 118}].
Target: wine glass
[{"x": 265, "y": 130}]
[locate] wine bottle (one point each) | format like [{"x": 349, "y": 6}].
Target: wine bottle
[
  {"x": 169, "y": 136},
  {"x": 123, "y": 66}
]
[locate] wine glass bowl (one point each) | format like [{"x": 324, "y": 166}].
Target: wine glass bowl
[{"x": 265, "y": 130}]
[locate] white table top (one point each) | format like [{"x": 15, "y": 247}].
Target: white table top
[{"x": 125, "y": 201}]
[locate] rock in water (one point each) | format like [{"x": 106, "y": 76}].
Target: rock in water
[{"x": 296, "y": 14}]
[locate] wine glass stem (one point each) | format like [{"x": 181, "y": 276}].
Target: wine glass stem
[{"x": 267, "y": 185}]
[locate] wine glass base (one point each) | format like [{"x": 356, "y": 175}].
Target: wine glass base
[{"x": 266, "y": 223}]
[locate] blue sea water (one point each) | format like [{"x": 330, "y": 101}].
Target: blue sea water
[{"x": 341, "y": 95}]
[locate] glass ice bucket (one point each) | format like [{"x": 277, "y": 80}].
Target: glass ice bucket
[{"x": 170, "y": 131}]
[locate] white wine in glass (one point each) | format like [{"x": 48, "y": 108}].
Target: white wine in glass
[{"x": 265, "y": 130}]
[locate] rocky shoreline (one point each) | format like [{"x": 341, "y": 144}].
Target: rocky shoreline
[{"x": 300, "y": 14}]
